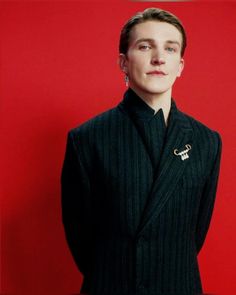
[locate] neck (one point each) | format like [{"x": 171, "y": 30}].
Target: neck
[{"x": 157, "y": 101}]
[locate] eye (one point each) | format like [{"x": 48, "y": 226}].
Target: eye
[
  {"x": 171, "y": 49},
  {"x": 144, "y": 47}
]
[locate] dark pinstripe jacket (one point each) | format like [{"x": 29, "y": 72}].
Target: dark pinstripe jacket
[{"x": 133, "y": 229}]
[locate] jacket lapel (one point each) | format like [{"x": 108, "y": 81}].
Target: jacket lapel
[{"x": 171, "y": 166}]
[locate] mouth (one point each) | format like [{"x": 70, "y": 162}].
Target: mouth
[{"x": 156, "y": 73}]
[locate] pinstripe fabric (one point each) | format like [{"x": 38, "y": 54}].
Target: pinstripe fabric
[{"x": 136, "y": 215}]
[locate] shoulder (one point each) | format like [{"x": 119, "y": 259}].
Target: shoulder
[
  {"x": 201, "y": 128},
  {"x": 207, "y": 137},
  {"x": 96, "y": 124}
]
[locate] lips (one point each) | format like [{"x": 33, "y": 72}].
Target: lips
[{"x": 158, "y": 73}]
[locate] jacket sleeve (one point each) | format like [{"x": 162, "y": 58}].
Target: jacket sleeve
[
  {"x": 208, "y": 199},
  {"x": 75, "y": 191}
]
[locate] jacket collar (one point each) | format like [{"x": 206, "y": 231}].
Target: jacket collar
[
  {"x": 138, "y": 108},
  {"x": 171, "y": 167}
]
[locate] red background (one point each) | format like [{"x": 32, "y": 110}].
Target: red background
[{"x": 58, "y": 69}]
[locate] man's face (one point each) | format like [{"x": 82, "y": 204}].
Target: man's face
[{"x": 153, "y": 60}]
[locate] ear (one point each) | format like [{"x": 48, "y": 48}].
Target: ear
[
  {"x": 181, "y": 67},
  {"x": 122, "y": 61}
]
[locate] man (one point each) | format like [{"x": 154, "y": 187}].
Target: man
[{"x": 139, "y": 180}]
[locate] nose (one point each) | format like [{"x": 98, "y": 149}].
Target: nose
[{"x": 157, "y": 58}]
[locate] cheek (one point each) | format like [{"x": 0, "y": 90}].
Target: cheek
[
  {"x": 137, "y": 64},
  {"x": 136, "y": 69},
  {"x": 175, "y": 69}
]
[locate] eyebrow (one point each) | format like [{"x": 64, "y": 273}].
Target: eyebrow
[
  {"x": 173, "y": 42},
  {"x": 150, "y": 40},
  {"x": 145, "y": 40}
]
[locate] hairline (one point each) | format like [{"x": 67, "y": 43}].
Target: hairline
[
  {"x": 151, "y": 14},
  {"x": 155, "y": 20}
]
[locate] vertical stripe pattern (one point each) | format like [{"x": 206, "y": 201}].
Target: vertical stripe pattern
[{"x": 132, "y": 229}]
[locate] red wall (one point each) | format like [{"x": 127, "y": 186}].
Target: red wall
[{"x": 58, "y": 69}]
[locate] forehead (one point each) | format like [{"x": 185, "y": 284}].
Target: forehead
[{"x": 159, "y": 31}]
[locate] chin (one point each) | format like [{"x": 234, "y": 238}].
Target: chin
[
  {"x": 156, "y": 90},
  {"x": 150, "y": 88}
]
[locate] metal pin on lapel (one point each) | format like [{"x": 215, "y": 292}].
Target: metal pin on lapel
[{"x": 184, "y": 154}]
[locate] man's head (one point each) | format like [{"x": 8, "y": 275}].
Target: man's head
[
  {"x": 152, "y": 45},
  {"x": 150, "y": 14}
]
